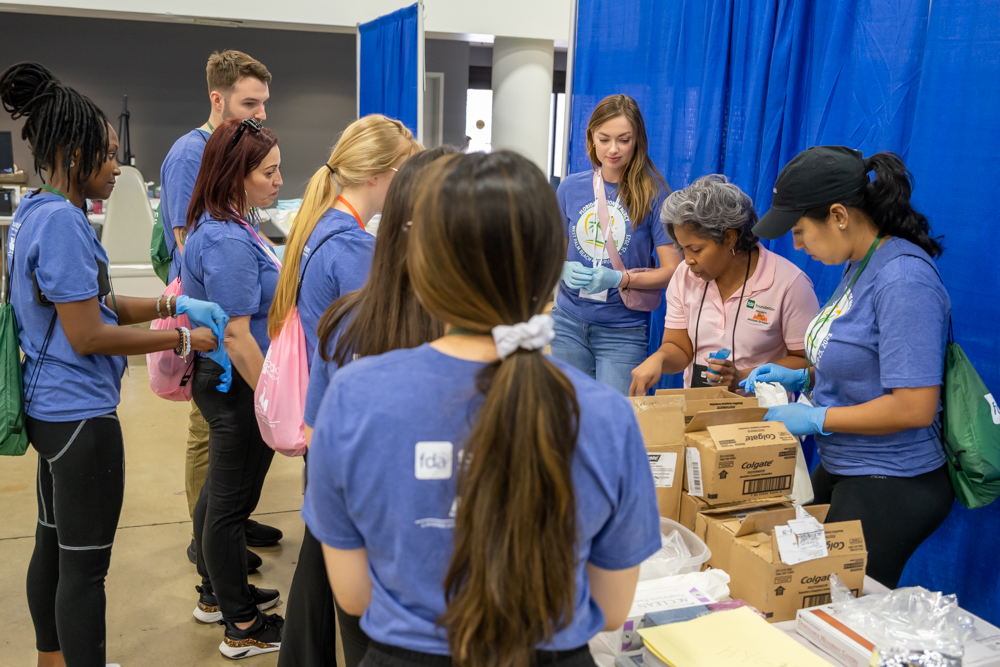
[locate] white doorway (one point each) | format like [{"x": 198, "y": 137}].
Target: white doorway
[{"x": 434, "y": 109}]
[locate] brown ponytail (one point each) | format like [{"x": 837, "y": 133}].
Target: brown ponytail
[{"x": 486, "y": 249}]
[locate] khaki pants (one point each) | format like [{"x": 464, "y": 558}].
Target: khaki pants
[{"x": 196, "y": 459}]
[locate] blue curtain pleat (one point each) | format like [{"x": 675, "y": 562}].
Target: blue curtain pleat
[
  {"x": 389, "y": 76},
  {"x": 739, "y": 87}
]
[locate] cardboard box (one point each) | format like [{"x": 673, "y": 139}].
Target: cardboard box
[
  {"x": 733, "y": 456},
  {"x": 701, "y": 399},
  {"x": 693, "y": 507},
  {"x": 823, "y": 627},
  {"x": 661, "y": 420},
  {"x": 748, "y": 552}
]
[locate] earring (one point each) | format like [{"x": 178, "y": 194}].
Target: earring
[
  {"x": 733, "y": 250},
  {"x": 72, "y": 164},
  {"x": 841, "y": 226}
]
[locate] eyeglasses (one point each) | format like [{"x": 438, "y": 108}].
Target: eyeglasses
[{"x": 252, "y": 123}]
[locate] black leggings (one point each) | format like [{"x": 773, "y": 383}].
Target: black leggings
[
  {"x": 382, "y": 655},
  {"x": 81, "y": 483},
  {"x": 897, "y": 513},
  {"x": 309, "y": 638},
  {"x": 238, "y": 460}
]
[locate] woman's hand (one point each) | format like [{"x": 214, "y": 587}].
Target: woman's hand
[
  {"x": 202, "y": 313},
  {"x": 645, "y": 375},
  {"x": 203, "y": 340},
  {"x": 721, "y": 372},
  {"x": 791, "y": 380}
]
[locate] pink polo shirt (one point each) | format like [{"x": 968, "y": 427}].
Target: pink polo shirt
[{"x": 777, "y": 307}]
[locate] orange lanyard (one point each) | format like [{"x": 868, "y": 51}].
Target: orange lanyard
[{"x": 348, "y": 205}]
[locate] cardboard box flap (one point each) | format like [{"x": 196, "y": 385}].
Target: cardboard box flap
[
  {"x": 642, "y": 403},
  {"x": 699, "y": 393},
  {"x": 706, "y": 418},
  {"x": 736, "y": 508},
  {"x": 661, "y": 422},
  {"x": 764, "y": 522}
]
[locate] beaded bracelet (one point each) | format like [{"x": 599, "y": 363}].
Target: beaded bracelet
[
  {"x": 158, "y": 312},
  {"x": 171, "y": 310},
  {"x": 184, "y": 348}
]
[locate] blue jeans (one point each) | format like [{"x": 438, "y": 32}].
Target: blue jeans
[{"x": 606, "y": 353}]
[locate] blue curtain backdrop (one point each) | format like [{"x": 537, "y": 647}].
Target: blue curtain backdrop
[
  {"x": 741, "y": 86},
  {"x": 388, "y": 71}
]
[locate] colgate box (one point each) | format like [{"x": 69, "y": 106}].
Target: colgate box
[
  {"x": 748, "y": 551},
  {"x": 732, "y": 456}
]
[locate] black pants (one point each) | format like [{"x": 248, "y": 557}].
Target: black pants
[
  {"x": 80, "y": 486},
  {"x": 897, "y": 513},
  {"x": 309, "y": 638},
  {"x": 238, "y": 459},
  {"x": 381, "y": 655}
]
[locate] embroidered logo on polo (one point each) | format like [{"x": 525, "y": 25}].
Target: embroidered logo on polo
[
  {"x": 588, "y": 237},
  {"x": 818, "y": 333},
  {"x": 761, "y": 314}
]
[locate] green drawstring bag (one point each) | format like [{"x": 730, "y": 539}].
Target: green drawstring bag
[
  {"x": 971, "y": 437},
  {"x": 13, "y": 434},
  {"x": 158, "y": 250}
]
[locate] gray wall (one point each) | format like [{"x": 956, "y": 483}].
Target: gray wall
[
  {"x": 161, "y": 67},
  {"x": 452, "y": 58}
]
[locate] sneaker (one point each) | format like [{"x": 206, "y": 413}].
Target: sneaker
[
  {"x": 264, "y": 636},
  {"x": 208, "y": 610},
  {"x": 259, "y": 535},
  {"x": 253, "y": 560}
]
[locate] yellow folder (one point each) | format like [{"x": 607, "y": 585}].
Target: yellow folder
[{"x": 736, "y": 638}]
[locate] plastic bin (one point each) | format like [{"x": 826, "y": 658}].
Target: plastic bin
[{"x": 700, "y": 554}]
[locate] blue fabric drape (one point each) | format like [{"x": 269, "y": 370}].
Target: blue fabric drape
[
  {"x": 741, "y": 86},
  {"x": 389, "y": 75}
]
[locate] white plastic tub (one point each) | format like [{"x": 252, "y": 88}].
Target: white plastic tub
[{"x": 658, "y": 566}]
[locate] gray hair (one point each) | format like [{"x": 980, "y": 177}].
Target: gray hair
[{"x": 710, "y": 207}]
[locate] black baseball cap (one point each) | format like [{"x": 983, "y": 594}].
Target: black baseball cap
[{"x": 816, "y": 176}]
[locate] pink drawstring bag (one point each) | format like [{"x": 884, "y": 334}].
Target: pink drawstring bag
[
  {"x": 170, "y": 375},
  {"x": 280, "y": 397}
]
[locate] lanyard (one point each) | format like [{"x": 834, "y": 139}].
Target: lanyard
[
  {"x": 599, "y": 193},
  {"x": 817, "y": 324},
  {"x": 263, "y": 245},
  {"x": 736, "y": 319},
  {"x": 51, "y": 189},
  {"x": 353, "y": 211}
]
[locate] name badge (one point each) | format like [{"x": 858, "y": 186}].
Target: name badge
[
  {"x": 598, "y": 296},
  {"x": 433, "y": 460}
]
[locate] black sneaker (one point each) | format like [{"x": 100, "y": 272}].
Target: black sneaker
[
  {"x": 253, "y": 560},
  {"x": 208, "y": 610},
  {"x": 259, "y": 535},
  {"x": 264, "y": 636}
]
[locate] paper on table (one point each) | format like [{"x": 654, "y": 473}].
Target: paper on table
[
  {"x": 804, "y": 538},
  {"x": 730, "y": 638}
]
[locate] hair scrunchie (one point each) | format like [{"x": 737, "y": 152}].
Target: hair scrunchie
[{"x": 534, "y": 334}]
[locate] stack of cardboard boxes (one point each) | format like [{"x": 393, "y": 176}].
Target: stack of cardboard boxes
[{"x": 723, "y": 472}]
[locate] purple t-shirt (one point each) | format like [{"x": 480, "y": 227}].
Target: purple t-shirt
[{"x": 888, "y": 332}]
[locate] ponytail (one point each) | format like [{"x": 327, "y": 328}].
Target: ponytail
[
  {"x": 886, "y": 200},
  {"x": 486, "y": 249},
  {"x": 367, "y": 147}
]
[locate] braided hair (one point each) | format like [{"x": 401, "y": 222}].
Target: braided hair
[{"x": 58, "y": 120}]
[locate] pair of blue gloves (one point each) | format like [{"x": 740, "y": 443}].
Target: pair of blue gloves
[
  {"x": 798, "y": 418},
  {"x": 208, "y": 314},
  {"x": 590, "y": 280}
]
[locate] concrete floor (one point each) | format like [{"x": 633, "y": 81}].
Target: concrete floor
[{"x": 150, "y": 586}]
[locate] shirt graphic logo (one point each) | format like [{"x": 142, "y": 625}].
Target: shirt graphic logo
[
  {"x": 589, "y": 237},
  {"x": 818, "y": 332},
  {"x": 432, "y": 460},
  {"x": 751, "y": 303},
  {"x": 760, "y": 317},
  {"x": 994, "y": 410}
]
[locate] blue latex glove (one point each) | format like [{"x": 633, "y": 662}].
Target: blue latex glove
[
  {"x": 603, "y": 278},
  {"x": 798, "y": 418},
  {"x": 203, "y": 314},
  {"x": 791, "y": 380},
  {"x": 221, "y": 357},
  {"x": 576, "y": 275}
]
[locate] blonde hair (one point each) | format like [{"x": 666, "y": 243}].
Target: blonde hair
[
  {"x": 369, "y": 146},
  {"x": 641, "y": 181},
  {"x": 226, "y": 68}
]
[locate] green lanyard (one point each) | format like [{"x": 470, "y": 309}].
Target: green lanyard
[
  {"x": 819, "y": 324},
  {"x": 458, "y": 331},
  {"x": 210, "y": 128},
  {"x": 51, "y": 189}
]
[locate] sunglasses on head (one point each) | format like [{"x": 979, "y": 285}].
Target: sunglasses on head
[{"x": 252, "y": 123}]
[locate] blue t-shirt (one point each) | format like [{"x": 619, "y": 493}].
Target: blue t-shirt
[
  {"x": 225, "y": 264},
  {"x": 367, "y": 487},
  {"x": 53, "y": 239},
  {"x": 888, "y": 332},
  {"x": 341, "y": 265},
  {"x": 320, "y": 374},
  {"x": 586, "y": 243},
  {"x": 177, "y": 177}
]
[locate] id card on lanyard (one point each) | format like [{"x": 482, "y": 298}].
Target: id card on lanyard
[{"x": 600, "y": 249}]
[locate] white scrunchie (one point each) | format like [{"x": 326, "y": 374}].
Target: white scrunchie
[{"x": 534, "y": 334}]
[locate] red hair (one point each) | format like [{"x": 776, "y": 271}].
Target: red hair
[{"x": 219, "y": 190}]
